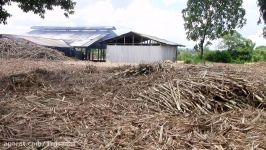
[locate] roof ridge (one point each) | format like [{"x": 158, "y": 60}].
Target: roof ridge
[
  {"x": 160, "y": 40},
  {"x": 73, "y": 28}
]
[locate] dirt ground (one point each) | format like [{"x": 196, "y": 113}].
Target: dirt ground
[{"x": 116, "y": 106}]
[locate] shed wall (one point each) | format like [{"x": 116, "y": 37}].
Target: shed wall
[{"x": 139, "y": 54}]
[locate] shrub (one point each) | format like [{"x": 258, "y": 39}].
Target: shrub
[
  {"x": 240, "y": 48},
  {"x": 188, "y": 61},
  {"x": 185, "y": 55},
  {"x": 242, "y": 55},
  {"x": 259, "y": 54},
  {"x": 189, "y": 57},
  {"x": 218, "y": 56}
]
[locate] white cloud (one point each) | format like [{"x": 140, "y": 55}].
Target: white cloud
[
  {"x": 140, "y": 16},
  {"x": 170, "y": 2},
  {"x": 136, "y": 15},
  {"x": 174, "y": 2},
  {"x": 252, "y": 30},
  {"x": 258, "y": 38}
]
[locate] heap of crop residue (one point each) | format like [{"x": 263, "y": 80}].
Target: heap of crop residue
[
  {"x": 19, "y": 48},
  {"x": 206, "y": 93},
  {"x": 161, "y": 106}
]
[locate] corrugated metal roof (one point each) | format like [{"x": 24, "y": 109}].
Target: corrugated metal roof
[
  {"x": 74, "y": 36},
  {"x": 40, "y": 41},
  {"x": 162, "y": 41},
  {"x": 73, "y": 28},
  {"x": 87, "y": 42},
  {"x": 159, "y": 39},
  {"x": 45, "y": 41}
]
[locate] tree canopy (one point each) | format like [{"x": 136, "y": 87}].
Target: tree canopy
[
  {"x": 262, "y": 5},
  {"x": 36, "y": 6},
  {"x": 207, "y": 20},
  {"x": 241, "y": 49},
  {"x": 235, "y": 41}
]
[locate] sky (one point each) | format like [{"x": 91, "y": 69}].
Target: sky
[{"x": 161, "y": 18}]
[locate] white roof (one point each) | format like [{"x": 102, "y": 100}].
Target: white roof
[{"x": 71, "y": 36}]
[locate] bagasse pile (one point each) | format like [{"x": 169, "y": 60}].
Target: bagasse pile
[
  {"x": 11, "y": 48},
  {"x": 163, "y": 106},
  {"x": 205, "y": 94}
]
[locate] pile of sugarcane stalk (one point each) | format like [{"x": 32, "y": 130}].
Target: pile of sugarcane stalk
[
  {"x": 18, "y": 48},
  {"x": 205, "y": 94}
]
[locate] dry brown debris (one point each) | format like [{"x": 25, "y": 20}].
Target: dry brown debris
[
  {"x": 11, "y": 48},
  {"x": 206, "y": 93},
  {"x": 102, "y": 109}
]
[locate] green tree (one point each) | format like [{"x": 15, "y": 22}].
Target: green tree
[
  {"x": 240, "y": 48},
  {"x": 234, "y": 41},
  {"x": 262, "y": 5},
  {"x": 259, "y": 54},
  {"x": 207, "y": 20},
  {"x": 218, "y": 56},
  {"x": 36, "y": 6}
]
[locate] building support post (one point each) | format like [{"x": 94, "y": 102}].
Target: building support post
[
  {"x": 89, "y": 54},
  {"x": 92, "y": 55},
  {"x": 104, "y": 55},
  {"x": 101, "y": 56},
  {"x": 86, "y": 53},
  {"x": 133, "y": 39},
  {"x": 98, "y": 54}
]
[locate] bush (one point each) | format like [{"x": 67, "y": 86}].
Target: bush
[
  {"x": 194, "y": 60},
  {"x": 240, "y": 48},
  {"x": 188, "y": 61},
  {"x": 189, "y": 57},
  {"x": 185, "y": 55},
  {"x": 218, "y": 56},
  {"x": 242, "y": 55},
  {"x": 259, "y": 54}
]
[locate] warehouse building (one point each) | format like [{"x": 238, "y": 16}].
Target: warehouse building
[
  {"x": 102, "y": 44},
  {"x": 84, "y": 43},
  {"x": 136, "y": 48}
]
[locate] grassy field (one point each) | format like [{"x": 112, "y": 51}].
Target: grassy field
[{"x": 115, "y": 106}]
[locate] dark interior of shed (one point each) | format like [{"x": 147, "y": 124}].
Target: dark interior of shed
[{"x": 133, "y": 39}]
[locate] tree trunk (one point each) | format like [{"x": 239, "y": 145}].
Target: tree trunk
[
  {"x": 201, "y": 51},
  {"x": 202, "y": 41},
  {"x": 201, "y": 46}
]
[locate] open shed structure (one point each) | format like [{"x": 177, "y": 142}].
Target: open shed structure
[
  {"x": 136, "y": 48},
  {"x": 85, "y": 43}
]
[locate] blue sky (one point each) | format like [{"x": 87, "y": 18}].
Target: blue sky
[{"x": 160, "y": 18}]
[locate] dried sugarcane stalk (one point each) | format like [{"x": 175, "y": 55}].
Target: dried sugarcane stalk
[
  {"x": 204, "y": 95},
  {"x": 18, "y": 48}
]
